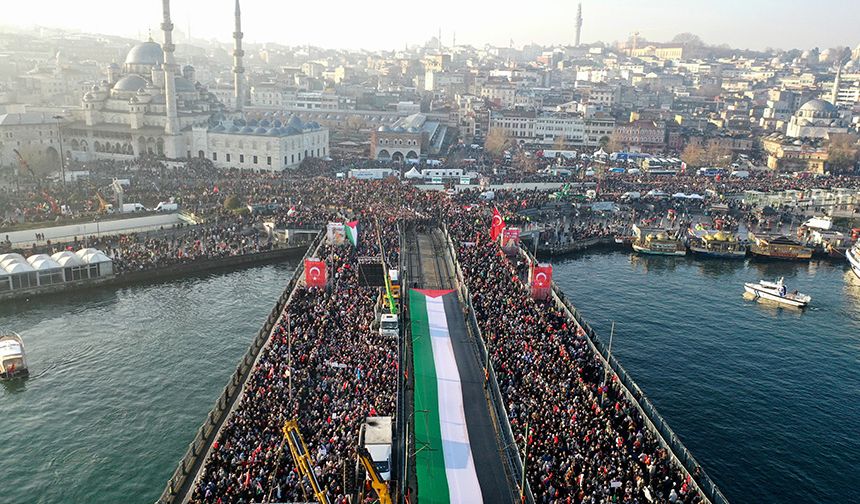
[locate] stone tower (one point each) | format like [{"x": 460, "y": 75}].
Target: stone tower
[
  {"x": 238, "y": 69},
  {"x": 173, "y": 138}
]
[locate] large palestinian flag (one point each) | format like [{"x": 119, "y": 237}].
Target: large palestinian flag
[{"x": 444, "y": 459}]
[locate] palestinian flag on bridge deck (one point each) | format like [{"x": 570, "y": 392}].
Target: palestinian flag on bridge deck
[
  {"x": 351, "y": 229},
  {"x": 444, "y": 460}
]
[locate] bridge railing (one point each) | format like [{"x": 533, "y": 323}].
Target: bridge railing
[
  {"x": 682, "y": 457},
  {"x": 181, "y": 480},
  {"x": 511, "y": 449}
]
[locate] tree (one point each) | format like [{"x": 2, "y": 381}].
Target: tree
[
  {"x": 693, "y": 155},
  {"x": 717, "y": 155},
  {"x": 497, "y": 141},
  {"x": 842, "y": 153},
  {"x": 615, "y": 144},
  {"x": 604, "y": 142},
  {"x": 560, "y": 142},
  {"x": 232, "y": 202},
  {"x": 688, "y": 39}
]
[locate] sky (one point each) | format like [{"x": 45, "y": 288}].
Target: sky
[{"x": 391, "y": 24}]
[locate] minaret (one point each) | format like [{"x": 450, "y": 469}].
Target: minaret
[
  {"x": 172, "y": 145},
  {"x": 843, "y": 57},
  {"x": 238, "y": 69},
  {"x": 578, "y": 23}
]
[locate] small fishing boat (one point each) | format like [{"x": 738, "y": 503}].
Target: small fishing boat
[
  {"x": 778, "y": 292},
  {"x": 13, "y": 362}
]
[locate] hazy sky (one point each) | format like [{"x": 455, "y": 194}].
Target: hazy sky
[{"x": 387, "y": 24}]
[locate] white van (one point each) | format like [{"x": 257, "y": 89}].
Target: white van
[
  {"x": 166, "y": 206},
  {"x": 377, "y": 438}
]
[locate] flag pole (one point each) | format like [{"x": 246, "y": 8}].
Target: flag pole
[
  {"x": 608, "y": 362},
  {"x": 525, "y": 461}
]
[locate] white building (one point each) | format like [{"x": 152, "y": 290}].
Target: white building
[{"x": 815, "y": 119}]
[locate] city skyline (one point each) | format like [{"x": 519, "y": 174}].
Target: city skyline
[{"x": 544, "y": 23}]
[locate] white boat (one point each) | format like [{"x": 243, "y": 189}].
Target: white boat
[
  {"x": 777, "y": 291},
  {"x": 13, "y": 362},
  {"x": 853, "y": 255}
]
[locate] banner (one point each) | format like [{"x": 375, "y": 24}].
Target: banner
[
  {"x": 448, "y": 472},
  {"x": 541, "y": 281},
  {"x": 335, "y": 234},
  {"x": 510, "y": 240},
  {"x": 315, "y": 272}
]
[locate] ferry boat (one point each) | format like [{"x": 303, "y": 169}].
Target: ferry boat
[
  {"x": 777, "y": 291},
  {"x": 720, "y": 244},
  {"x": 13, "y": 362},
  {"x": 853, "y": 255},
  {"x": 657, "y": 242},
  {"x": 778, "y": 247}
]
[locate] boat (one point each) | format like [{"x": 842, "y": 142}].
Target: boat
[
  {"x": 777, "y": 291},
  {"x": 13, "y": 362},
  {"x": 657, "y": 242},
  {"x": 853, "y": 255},
  {"x": 776, "y": 246},
  {"x": 720, "y": 244}
]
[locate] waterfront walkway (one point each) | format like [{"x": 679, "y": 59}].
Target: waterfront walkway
[{"x": 68, "y": 232}]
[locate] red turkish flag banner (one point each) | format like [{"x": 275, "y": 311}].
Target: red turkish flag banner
[
  {"x": 498, "y": 224},
  {"x": 315, "y": 272},
  {"x": 541, "y": 281}
]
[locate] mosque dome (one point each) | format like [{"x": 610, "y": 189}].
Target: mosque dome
[
  {"x": 818, "y": 109},
  {"x": 184, "y": 85},
  {"x": 295, "y": 122},
  {"x": 383, "y": 129},
  {"x": 260, "y": 131},
  {"x": 145, "y": 53},
  {"x": 246, "y": 129},
  {"x": 131, "y": 83}
]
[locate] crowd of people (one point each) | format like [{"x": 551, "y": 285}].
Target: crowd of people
[
  {"x": 586, "y": 442},
  {"x": 324, "y": 366}
]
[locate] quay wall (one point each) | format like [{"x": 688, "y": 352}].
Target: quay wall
[
  {"x": 655, "y": 422},
  {"x": 181, "y": 482}
]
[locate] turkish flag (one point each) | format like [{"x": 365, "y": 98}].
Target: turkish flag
[
  {"x": 541, "y": 281},
  {"x": 498, "y": 224},
  {"x": 315, "y": 272}
]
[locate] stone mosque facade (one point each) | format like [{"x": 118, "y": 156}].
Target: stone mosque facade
[{"x": 148, "y": 108}]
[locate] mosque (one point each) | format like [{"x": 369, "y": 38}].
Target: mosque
[
  {"x": 147, "y": 108},
  {"x": 815, "y": 119}
]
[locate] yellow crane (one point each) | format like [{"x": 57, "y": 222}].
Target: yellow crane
[
  {"x": 376, "y": 480},
  {"x": 303, "y": 461}
]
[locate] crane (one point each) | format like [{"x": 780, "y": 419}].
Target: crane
[
  {"x": 302, "y": 459},
  {"x": 23, "y": 164},
  {"x": 376, "y": 480}
]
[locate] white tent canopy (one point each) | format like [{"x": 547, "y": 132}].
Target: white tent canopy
[
  {"x": 67, "y": 259},
  {"x": 413, "y": 173}
]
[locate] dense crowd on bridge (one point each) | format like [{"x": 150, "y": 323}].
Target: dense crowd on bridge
[
  {"x": 324, "y": 366},
  {"x": 587, "y": 442}
]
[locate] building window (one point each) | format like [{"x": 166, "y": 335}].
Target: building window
[
  {"x": 269, "y": 160},
  {"x": 285, "y": 160},
  {"x": 241, "y": 158},
  {"x": 255, "y": 159},
  {"x": 292, "y": 159},
  {"x": 214, "y": 156},
  {"x": 228, "y": 158}
]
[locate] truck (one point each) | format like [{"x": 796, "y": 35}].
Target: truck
[
  {"x": 166, "y": 206},
  {"x": 389, "y": 326},
  {"x": 132, "y": 208},
  {"x": 376, "y": 438}
]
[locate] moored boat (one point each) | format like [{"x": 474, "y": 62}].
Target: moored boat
[
  {"x": 778, "y": 292},
  {"x": 778, "y": 247},
  {"x": 720, "y": 244},
  {"x": 853, "y": 255},
  {"x": 657, "y": 242},
  {"x": 13, "y": 362}
]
